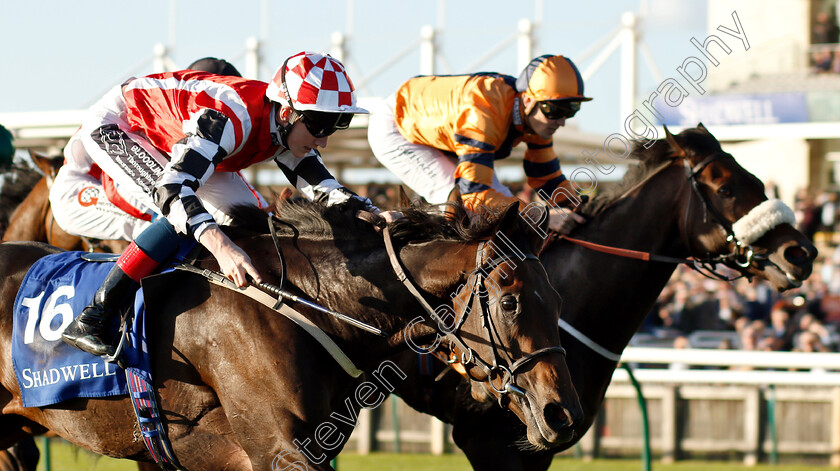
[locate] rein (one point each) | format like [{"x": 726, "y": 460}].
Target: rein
[
  {"x": 272, "y": 296},
  {"x": 742, "y": 255},
  {"x": 468, "y": 355},
  {"x": 626, "y": 253}
]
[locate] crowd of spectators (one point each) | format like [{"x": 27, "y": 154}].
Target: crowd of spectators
[{"x": 825, "y": 35}]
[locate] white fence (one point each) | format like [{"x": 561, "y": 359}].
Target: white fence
[
  {"x": 750, "y": 404},
  {"x": 743, "y": 367},
  {"x": 723, "y": 401}
]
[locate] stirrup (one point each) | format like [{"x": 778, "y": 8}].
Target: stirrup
[{"x": 117, "y": 356}]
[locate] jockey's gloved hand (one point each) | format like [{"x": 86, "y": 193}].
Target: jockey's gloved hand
[{"x": 566, "y": 219}]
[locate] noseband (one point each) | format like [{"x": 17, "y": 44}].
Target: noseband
[{"x": 498, "y": 367}]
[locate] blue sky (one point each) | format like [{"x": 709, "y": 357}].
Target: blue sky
[{"x": 65, "y": 55}]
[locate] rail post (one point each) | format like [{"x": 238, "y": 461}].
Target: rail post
[
  {"x": 771, "y": 424},
  {"x": 47, "y": 459},
  {"x": 643, "y": 409}
]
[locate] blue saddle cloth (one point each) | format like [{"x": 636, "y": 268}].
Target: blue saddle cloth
[{"x": 55, "y": 290}]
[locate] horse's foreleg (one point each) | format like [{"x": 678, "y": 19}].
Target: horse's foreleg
[{"x": 22, "y": 457}]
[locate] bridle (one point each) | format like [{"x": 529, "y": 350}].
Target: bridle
[
  {"x": 741, "y": 254},
  {"x": 497, "y": 367}
]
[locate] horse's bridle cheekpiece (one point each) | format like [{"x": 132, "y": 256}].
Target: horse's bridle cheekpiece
[
  {"x": 468, "y": 356},
  {"x": 741, "y": 233}
]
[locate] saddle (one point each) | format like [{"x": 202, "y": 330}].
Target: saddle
[{"x": 50, "y": 371}]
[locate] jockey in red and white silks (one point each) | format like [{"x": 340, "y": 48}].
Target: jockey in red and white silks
[
  {"x": 172, "y": 144},
  {"x": 137, "y": 139}
]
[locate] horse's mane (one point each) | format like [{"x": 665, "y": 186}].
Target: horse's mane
[
  {"x": 309, "y": 220},
  {"x": 648, "y": 159}
]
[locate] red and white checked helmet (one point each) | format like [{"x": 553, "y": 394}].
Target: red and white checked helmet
[{"x": 314, "y": 81}]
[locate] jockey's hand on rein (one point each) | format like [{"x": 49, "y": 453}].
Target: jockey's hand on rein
[{"x": 564, "y": 220}]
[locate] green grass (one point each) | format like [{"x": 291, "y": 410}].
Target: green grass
[
  {"x": 65, "y": 457},
  {"x": 405, "y": 462}
]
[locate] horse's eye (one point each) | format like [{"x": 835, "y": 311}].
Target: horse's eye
[
  {"x": 724, "y": 191},
  {"x": 508, "y": 303}
]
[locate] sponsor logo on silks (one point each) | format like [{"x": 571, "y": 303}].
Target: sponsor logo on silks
[
  {"x": 112, "y": 140},
  {"x": 89, "y": 196}
]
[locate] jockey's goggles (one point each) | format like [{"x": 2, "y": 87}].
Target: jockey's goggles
[
  {"x": 318, "y": 123},
  {"x": 322, "y": 124},
  {"x": 554, "y": 109}
]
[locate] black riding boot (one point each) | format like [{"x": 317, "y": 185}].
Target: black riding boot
[{"x": 87, "y": 332}]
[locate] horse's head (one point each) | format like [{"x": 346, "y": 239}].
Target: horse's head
[
  {"x": 506, "y": 336},
  {"x": 727, "y": 217}
]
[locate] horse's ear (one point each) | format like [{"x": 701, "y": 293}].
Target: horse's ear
[
  {"x": 510, "y": 216},
  {"x": 279, "y": 198},
  {"x": 404, "y": 200},
  {"x": 672, "y": 141},
  {"x": 536, "y": 235},
  {"x": 285, "y": 194},
  {"x": 454, "y": 204},
  {"x": 48, "y": 165},
  {"x": 511, "y": 220}
]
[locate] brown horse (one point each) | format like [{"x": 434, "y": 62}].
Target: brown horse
[
  {"x": 242, "y": 387},
  {"x": 18, "y": 181},
  {"x": 606, "y": 297},
  {"x": 33, "y": 219}
]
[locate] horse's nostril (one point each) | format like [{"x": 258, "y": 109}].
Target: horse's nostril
[
  {"x": 555, "y": 413},
  {"x": 796, "y": 254}
]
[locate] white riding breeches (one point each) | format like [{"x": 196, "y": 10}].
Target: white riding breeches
[{"x": 426, "y": 170}]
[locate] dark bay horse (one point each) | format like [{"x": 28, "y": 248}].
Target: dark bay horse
[
  {"x": 241, "y": 387},
  {"x": 32, "y": 219},
  {"x": 606, "y": 297}
]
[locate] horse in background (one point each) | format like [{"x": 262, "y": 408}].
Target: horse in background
[
  {"x": 17, "y": 182},
  {"x": 680, "y": 201},
  {"x": 32, "y": 219}
]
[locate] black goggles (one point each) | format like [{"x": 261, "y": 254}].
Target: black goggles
[
  {"x": 323, "y": 124},
  {"x": 559, "y": 109},
  {"x": 318, "y": 123}
]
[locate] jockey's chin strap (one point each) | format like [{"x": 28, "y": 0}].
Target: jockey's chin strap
[{"x": 468, "y": 355}]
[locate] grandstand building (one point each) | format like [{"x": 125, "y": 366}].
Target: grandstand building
[{"x": 775, "y": 103}]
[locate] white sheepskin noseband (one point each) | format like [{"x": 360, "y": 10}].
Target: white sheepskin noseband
[{"x": 761, "y": 219}]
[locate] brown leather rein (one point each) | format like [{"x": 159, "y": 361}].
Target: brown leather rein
[{"x": 702, "y": 266}]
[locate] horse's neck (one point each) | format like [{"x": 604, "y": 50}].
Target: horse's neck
[
  {"x": 600, "y": 287},
  {"x": 362, "y": 285},
  {"x": 27, "y": 221}
]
